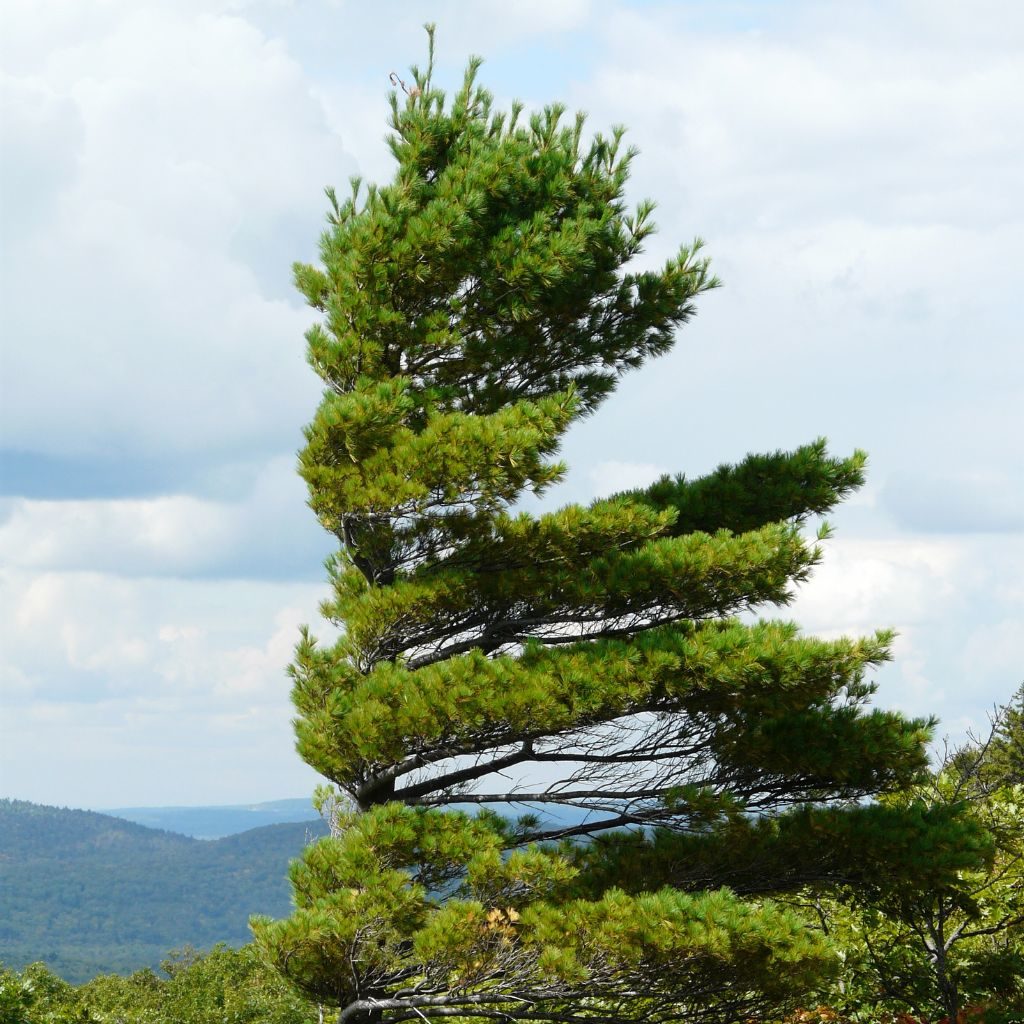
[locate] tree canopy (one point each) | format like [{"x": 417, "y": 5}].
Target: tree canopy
[
  {"x": 945, "y": 950},
  {"x": 596, "y": 666}
]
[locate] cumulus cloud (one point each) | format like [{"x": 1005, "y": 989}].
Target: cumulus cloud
[
  {"x": 264, "y": 533},
  {"x": 85, "y": 636},
  {"x": 940, "y": 594},
  {"x": 854, "y": 179},
  {"x": 165, "y": 690},
  {"x": 806, "y": 115},
  {"x": 865, "y": 584},
  {"x": 148, "y": 307},
  {"x": 42, "y": 144}
]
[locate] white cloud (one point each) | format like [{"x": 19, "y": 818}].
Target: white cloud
[
  {"x": 254, "y": 672},
  {"x": 939, "y": 593},
  {"x": 146, "y": 309},
  {"x": 42, "y": 144},
  {"x": 804, "y": 118},
  {"x": 492, "y": 24},
  {"x": 866, "y": 584},
  {"x": 83, "y": 635},
  {"x": 996, "y": 649},
  {"x": 854, "y": 177},
  {"x": 266, "y": 532},
  {"x": 173, "y": 691}
]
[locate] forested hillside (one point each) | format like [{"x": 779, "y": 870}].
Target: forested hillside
[{"x": 89, "y": 893}]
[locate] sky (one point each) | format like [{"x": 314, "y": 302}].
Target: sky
[{"x": 855, "y": 170}]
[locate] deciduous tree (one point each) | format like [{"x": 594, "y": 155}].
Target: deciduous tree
[{"x": 938, "y": 950}]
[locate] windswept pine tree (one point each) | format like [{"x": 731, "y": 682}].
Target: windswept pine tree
[{"x": 589, "y": 658}]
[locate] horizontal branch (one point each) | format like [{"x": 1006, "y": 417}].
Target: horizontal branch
[{"x": 411, "y": 793}]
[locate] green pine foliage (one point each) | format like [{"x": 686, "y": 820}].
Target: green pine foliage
[{"x": 594, "y": 657}]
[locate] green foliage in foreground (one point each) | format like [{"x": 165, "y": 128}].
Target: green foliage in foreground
[
  {"x": 471, "y": 311},
  {"x": 224, "y": 986},
  {"x": 933, "y": 950},
  {"x": 940, "y": 946}
]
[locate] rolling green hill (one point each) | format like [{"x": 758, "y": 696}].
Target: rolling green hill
[{"x": 88, "y": 892}]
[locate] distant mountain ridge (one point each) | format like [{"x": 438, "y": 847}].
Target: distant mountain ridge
[
  {"x": 90, "y": 893},
  {"x": 216, "y": 822}
]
